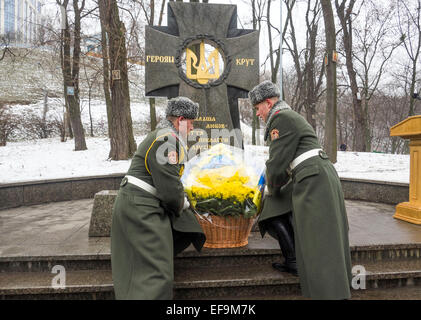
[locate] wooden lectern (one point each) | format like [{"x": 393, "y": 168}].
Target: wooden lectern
[{"x": 410, "y": 128}]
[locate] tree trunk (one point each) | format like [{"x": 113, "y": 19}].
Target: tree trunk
[
  {"x": 152, "y": 112},
  {"x": 65, "y": 49},
  {"x": 44, "y": 115},
  {"x": 106, "y": 68},
  {"x": 367, "y": 133},
  {"x": 71, "y": 77},
  {"x": 412, "y": 90},
  {"x": 161, "y": 13},
  {"x": 255, "y": 122},
  {"x": 339, "y": 127},
  {"x": 90, "y": 113},
  {"x": 273, "y": 65},
  {"x": 3, "y": 138},
  {"x": 74, "y": 106},
  {"x": 330, "y": 144},
  {"x": 123, "y": 145},
  {"x": 311, "y": 85},
  {"x": 63, "y": 132},
  {"x": 345, "y": 18}
]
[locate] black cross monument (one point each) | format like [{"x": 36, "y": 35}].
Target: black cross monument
[{"x": 202, "y": 55}]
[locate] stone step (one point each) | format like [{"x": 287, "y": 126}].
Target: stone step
[
  {"x": 262, "y": 280},
  {"x": 45, "y": 263},
  {"x": 399, "y": 293},
  {"x": 94, "y": 254},
  {"x": 259, "y": 281},
  {"x": 81, "y": 284},
  {"x": 256, "y": 252}
]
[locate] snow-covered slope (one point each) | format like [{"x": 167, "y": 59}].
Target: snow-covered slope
[{"x": 52, "y": 159}]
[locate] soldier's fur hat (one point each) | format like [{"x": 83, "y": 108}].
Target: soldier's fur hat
[
  {"x": 263, "y": 91},
  {"x": 182, "y": 107}
]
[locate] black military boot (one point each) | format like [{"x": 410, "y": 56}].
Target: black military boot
[{"x": 281, "y": 229}]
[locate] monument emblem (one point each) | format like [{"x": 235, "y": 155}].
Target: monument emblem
[
  {"x": 207, "y": 68},
  {"x": 202, "y": 55}
]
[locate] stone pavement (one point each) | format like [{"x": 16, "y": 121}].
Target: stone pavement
[{"x": 61, "y": 229}]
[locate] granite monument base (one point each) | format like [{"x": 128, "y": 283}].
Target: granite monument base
[{"x": 102, "y": 211}]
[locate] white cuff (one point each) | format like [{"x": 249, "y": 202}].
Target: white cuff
[{"x": 186, "y": 203}]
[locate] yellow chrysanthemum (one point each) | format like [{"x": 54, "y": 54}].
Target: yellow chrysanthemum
[{"x": 215, "y": 184}]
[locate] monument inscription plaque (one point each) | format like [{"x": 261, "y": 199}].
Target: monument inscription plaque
[{"x": 202, "y": 55}]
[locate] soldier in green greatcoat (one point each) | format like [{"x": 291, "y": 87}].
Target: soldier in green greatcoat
[
  {"x": 319, "y": 217},
  {"x": 151, "y": 217}
]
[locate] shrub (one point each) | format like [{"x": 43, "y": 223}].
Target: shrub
[{"x": 9, "y": 123}]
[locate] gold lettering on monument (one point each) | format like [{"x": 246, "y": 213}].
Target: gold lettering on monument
[
  {"x": 216, "y": 126},
  {"x": 160, "y": 59},
  {"x": 212, "y": 119},
  {"x": 203, "y": 74},
  {"x": 214, "y": 140},
  {"x": 244, "y": 62}
]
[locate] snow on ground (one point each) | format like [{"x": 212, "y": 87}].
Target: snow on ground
[
  {"x": 43, "y": 159},
  {"x": 51, "y": 159},
  {"x": 373, "y": 166}
]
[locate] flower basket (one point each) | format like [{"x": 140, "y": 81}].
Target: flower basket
[
  {"x": 225, "y": 231},
  {"x": 225, "y": 192}
]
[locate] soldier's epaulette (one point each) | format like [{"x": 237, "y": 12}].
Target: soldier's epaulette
[{"x": 181, "y": 158}]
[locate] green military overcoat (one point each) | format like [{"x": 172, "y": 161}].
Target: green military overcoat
[
  {"x": 319, "y": 215},
  {"x": 148, "y": 231},
  {"x": 276, "y": 203}
]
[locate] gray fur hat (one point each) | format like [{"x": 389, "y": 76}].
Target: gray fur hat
[
  {"x": 263, "y": 91},
  {"x": 182, "y": 107}
]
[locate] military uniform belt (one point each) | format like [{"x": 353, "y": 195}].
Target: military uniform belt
[
  {"x": 306, "y": 155},
  {"x": 141, "y": 184}
]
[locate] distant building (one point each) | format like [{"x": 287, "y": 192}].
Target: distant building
[{"x": 19, "y": 19}]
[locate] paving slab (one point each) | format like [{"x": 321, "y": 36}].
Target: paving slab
[{"x": 61, "y": 228}]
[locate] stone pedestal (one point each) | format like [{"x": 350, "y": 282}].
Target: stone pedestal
[
  {"x": 102, "y": 211},
  {"x": 411, "y": 129}
]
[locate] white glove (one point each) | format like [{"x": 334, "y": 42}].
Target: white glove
[{"x": 186, "y": 203}]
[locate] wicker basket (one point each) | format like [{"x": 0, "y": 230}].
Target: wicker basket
[{"x": 225, "y": 232}]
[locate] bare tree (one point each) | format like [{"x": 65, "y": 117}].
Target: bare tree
[
  {"x": 373, "y": 49},
  {"x": 346, "y": 15},
  {"x": 8, "y": 123},
  {"x": 257, "y": 16},
  {"x": 409, "y": 14},
  {"x": 105, "y": 65},
  {"x": 148, "y": 8},
  {"x": 5, "y": 47},
  {"x": 388, "y": 107},
  {"x": 291, "y": 43},
  {"x": 71, "y": 68},
  {"x": 307, "y": 61},
  {"x": 368, "y": 48},
  {"x": 274, "y": 64},
  {"x": 122, "y": 140},
  {"x": 91, "y": 79},
  {"x": 330, "y": 143}
]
